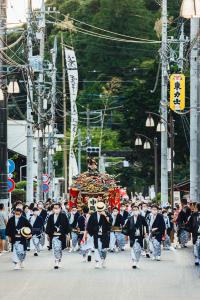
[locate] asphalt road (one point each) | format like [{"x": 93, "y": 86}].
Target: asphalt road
[{"x": 175, "y": 277}]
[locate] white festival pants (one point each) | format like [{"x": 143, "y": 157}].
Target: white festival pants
[
  {"x": 74, "y": 239},
  {"x": 197, "y": 248},
  {"x": 117, "y": 237},
  {"x": 100, "y": 253},
  {"x": 136, "y": 251},
  {"x": 57, "y": 248},
  {"x": 19, "y": 253},
  {"x": 155, "y": 247}
]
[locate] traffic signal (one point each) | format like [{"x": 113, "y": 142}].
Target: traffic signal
[{"x": 92, "y": 150}]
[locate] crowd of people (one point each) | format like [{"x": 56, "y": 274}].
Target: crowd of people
[{"x": 146, "y": 227}]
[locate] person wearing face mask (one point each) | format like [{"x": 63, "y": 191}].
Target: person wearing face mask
[
  {"x": 146, "y": 213},
  {"x": 57, "y": 230},
  {"x": 73, "y": 222},
  {"x": 116, "y": 235},
  {"x": 99, "y": 226},
  {"x": 37, "y": 229},
  {"x": 157, "y": 231},
  {"x": 137, "y": 229},
  {"x": 43, "y": 214},
  {"x": 182, "y": 221},
  {"x": 85, "y": 242},
  {"x": 123, "y": 212},
  {"x": 42, "y": 211},
  {"x": 166, "y": 242},
  {"x": 14, "y": 229},
  {"x": 27, "y": 212},
  {"x": 194, "y": 228}
]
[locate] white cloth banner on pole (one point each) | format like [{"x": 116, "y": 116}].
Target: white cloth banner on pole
[{"x": 72, "y": 71}]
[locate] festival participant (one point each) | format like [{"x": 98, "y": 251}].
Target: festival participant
[
  {"x": 123, "y": 212},
  {"x": 157, "y": 231},
  {"x": 116, "y": 235},
  {"x": 18, "y": 230},
  {"x": 146, "y": 213},
  {"x": 18, "y": 204},
  {"x": 166, "y": 241},
  {"x": 65, "y": 209},
  {"x": 85, "y": 243},
  {"x": 37, "y": 224},
  {"x": 137, "y": 229},
  {"x": 194, "y": 227},
  {"x": 57, "y": 229},
  {"x": 27, "y": 212},
  {"x": 182, "y": 221},
  {"x": 99, "y": 225},
  {"x": 171, "y": 230},
  {"x": 73, "y": 222},
  {"x": 42, "y": 211}
]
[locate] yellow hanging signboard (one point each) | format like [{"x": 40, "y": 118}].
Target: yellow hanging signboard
[{"x": 177, "y": 92}]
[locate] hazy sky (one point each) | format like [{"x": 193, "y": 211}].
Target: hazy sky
[{"x": 17, "y": 10}]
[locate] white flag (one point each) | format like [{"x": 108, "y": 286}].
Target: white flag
[{"x": 72, "y": 71}]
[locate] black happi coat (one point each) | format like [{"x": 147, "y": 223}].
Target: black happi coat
[
  {"x": 38, "y": 226},
  {"x": 63, "y": 224},
  {"x": 160, "y": 224},
  {"x": 93, "y": 229},
  {"x": 194, "y": 226},
  {"x": 81, "y": 223},
  {"x": 124, "y": 215},
  {"x": 119, "y": 221},
  {"x": 12, "y": 230},
  {"x": 183, "y": 218},
  {"x": 75, "y": 222},
  {"x": 140, "y": 225},
  {"x": 43, "y": 214}
]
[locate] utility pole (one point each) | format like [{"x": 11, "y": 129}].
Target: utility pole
[
  {"x": 194, "y": 103},
  {"x": 79, "y": 150},
  {"x": 156, "y": 165},
  {"x": 198, "y": 109},
  {"x": 29, "y": 168},
  {"x": 88, "y": 126},
  {"x": 53, "y": 116},
  {"x": 64, "y": 119},
  {"x": 3, "y": 111},
  {"x": 164, "y": 107},
  {"x": 40, "y": 105},
  {"x": 181, "y": 48},
  {"x": 172, "y": 158}
]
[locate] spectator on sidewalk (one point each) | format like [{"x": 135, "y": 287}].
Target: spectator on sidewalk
[{"x": 3, "y": 222}]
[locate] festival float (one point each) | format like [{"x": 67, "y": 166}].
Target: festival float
[{"x": 90, "y": 187}]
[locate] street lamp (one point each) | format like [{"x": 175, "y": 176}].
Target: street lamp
[
  {"x": 162, "y": 126},
  {"x": 58, "y": 148},
  {"x": 138, "y": 142},
  {"x": 1, "y": 95},
  {"x": 13, "y": 87},
  {"x": 190, "y": 9},
  {"x": 150, "y": 121},
  {"x": 147, "y": 145}
]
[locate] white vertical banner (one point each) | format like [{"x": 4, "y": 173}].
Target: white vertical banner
[{"x": 72, "y": 71}]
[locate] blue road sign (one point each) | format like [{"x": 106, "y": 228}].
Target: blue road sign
[
  {"x": 45, "y": 188},
  {"x": 11, "y": 166},
  {"x": 11, "y": 185}
]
